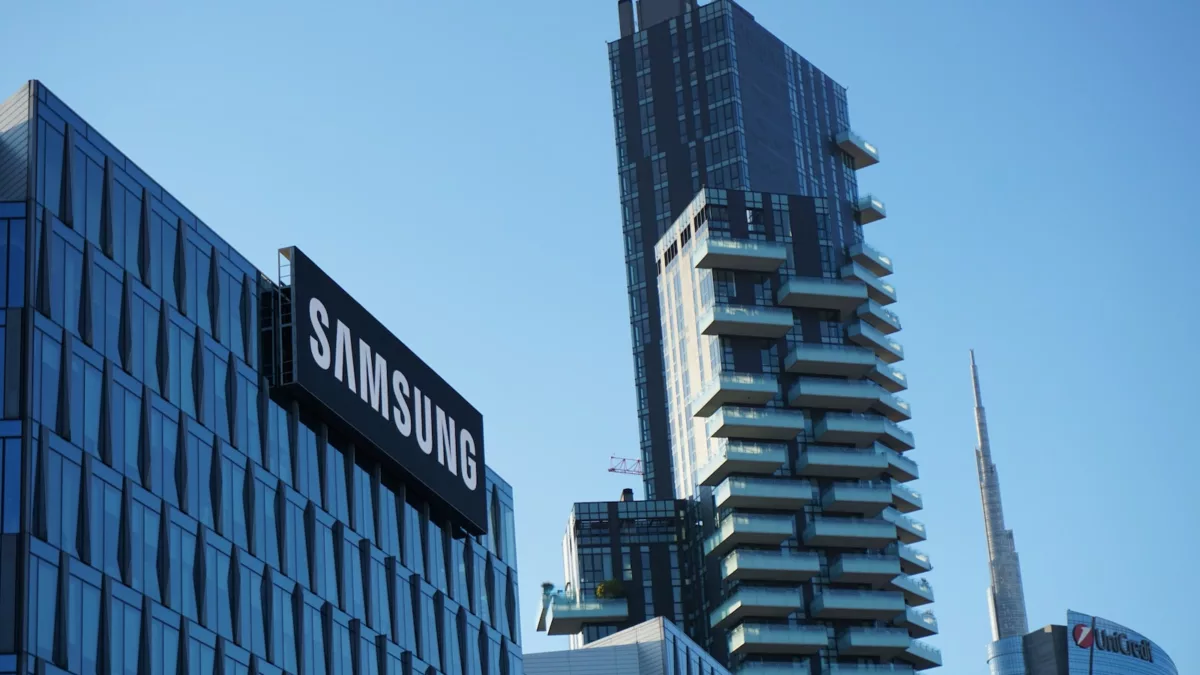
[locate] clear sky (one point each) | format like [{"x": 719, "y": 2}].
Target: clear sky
[{"x": 451, "y": 163}]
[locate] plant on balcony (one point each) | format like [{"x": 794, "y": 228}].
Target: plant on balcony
[{"x": 612, "y": 589}]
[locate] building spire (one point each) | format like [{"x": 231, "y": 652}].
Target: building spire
[{"x": 1006, "y": 596}]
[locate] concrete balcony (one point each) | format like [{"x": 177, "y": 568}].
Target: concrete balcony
[
  {"x": 834, "y": 603},
  {"x": 899, "y": 467},
  {"x": 908, "y": 529},
  {"x": 916, "y": 591},
  {"x": 564, "y": 614},
  {"x": 757, "y": 565},
  {"x": 878, "y": 290},
  {"x": 763, "y": 603},
  {"x": 734, "y": 389},
  {"x": 912, "y": 561},
  {"x": 918, "y": 623},
  {"x": 867, "y": 669},
  {"x": 906, "y": 499},
  {"x": 821, "y": 359},
  {"x": 775, "y": 424},
  {"x": 881, "y": 642},
  {"x": 888, "y": 377},
  {"x": 887, "y": 349},
  {"x": 863, "y": 153},
  {"x": 780, "y": 494},
  {"x": 800, "y": 667},
  {"x": 747, "y": 530},
  {"x": 837, "y": 462},
  {"x": 742, "y": 457},
  {"x": 921, "y": 655},
  {"x": 872, "y": 259},
  {"x": 738, "y": 254},
  {"x": 833, "y": 394},
  {"x": 892, "y": 407},
  {"x": 865, "y": 498},
  {"x": 755, "y": 638},
  {"x": 863, "y": 431},
  {"x": 820, "y": 293},
  {"x": 746, "y": 321},
  {"x": 865, "y": 568},
  {"x": 883, "y": 320},
  {"x": 849, "y": 532},
  {"x": 869, "y": 209}
]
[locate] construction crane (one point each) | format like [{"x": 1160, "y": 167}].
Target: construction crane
[{"x": 632, "y": 467}]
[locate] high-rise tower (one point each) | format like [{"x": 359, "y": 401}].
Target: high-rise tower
[
  {"x": 1006, "y": 596},
  {"x": 705, "y": 96}
]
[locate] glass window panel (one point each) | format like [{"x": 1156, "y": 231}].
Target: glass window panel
[
  {"x": 164, "y": 436},
  {"x": 106, "y": 522},
  {"x": 218, "y": 617},
  {"x": 199, "y": 472},
  {"x": 83, "y": 621},
  {"x": 143, "y": 544},
  {"x": 283, "y": 627},
  {"x": 335, "y": 483},
  {"x": 182, "y": 541},
  {"x": 266, "y": 535},
  {"x": 164, "y": 642},
  {"x": 43, "y": 600},
  {"x": 125, "y": 621},
  {"x": 306, "y": 474},
  {"x": 233, "y": 486},
  {"x": 63, "y": 487}
]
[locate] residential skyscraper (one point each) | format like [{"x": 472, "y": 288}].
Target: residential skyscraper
[
  {"x": 704, "y": 96},
  {"x": 1006, "y": 595},
  {"x": 189, "y": 480}
]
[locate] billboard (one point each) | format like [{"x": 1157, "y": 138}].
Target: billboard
[
  {"x": 353, "y": 367},
  {"x": 1097, "y": 646}
]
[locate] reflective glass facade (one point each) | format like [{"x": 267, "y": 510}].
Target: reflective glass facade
[
  {"x": 163, "y": 509},
  {"x": 1087, "y": 645},
  {"x": 710, "y": 98}
]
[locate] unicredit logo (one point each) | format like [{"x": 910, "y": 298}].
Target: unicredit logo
[{"x": 1086, "y": 638}]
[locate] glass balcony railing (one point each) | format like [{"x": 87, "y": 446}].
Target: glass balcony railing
[
  {"x": 888, "y": 377},
  {"x": 922, "y": 655},
  {"x": 838, "y": 462},
  {"x": 821, "y": 359},
  {"x": 863, "y": 153},
  {"x": 734, "y": 388},
  {"x": 882, "y": 319},
  {"x": 849, "y": 532},
  {"x": 871, "y": 258},
  {"x": 863, "y": 430},
  {"x": 746, "y": 321},
  {"x": 870, "y": 209},
  {"x": 763, "y": 493},
  {"x": 752, "y": 638},
  {"x": 878, "y": 290},
  {"x": 912, "y": 561},
  {"x": 821, "y": 293},
  {"x": 738, "y": 254},
  {"x": 867, "y": 669},
  {"x": 800, "y": 667},
  {"x": 906, "y": 499},
  {"x": 856, "y": 604},
  {"x": 756, "y": 423},
  {"x": 860, "y": 641},
  {"x": 917, "y": 591},
  {"x": 833, "y": 393},
  {"x": 758, "y": 602},
  {"x": 758, "y": 565},
  {"x": 887, "y": 349},
  {"x": 753, "y": 530},
  {"x": 743, "y": 457},
  {"x": 900, "y": 467},
  {"x": 864, "y": 568},
  {"x": 920, "y": 623},
  {"x": 567, "y": 614},
  {"x": 910, "y": 529},
  {"x": 865, "y": 497}
]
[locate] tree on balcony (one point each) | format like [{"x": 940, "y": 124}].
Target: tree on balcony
[{"x": 612, "y": 589}]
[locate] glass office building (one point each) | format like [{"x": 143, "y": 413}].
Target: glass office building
[
  {"x": 1086, "y": 645},
  {"x": 166, "y": 509},
  {"x": 704, "y": 96},
  {"x": 643, "y": 546}
]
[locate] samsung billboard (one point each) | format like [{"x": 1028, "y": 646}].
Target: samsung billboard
[
  {"x": 347, "y": 362},
  {"x": 1097, "y": 646}
]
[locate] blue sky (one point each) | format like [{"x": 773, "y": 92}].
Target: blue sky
[{"x": 1037, "y": 168}]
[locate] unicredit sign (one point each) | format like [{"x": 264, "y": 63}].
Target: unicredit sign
[
  {"x": 386, "y": 397},
  {"x": 1104, "y": 640}
]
